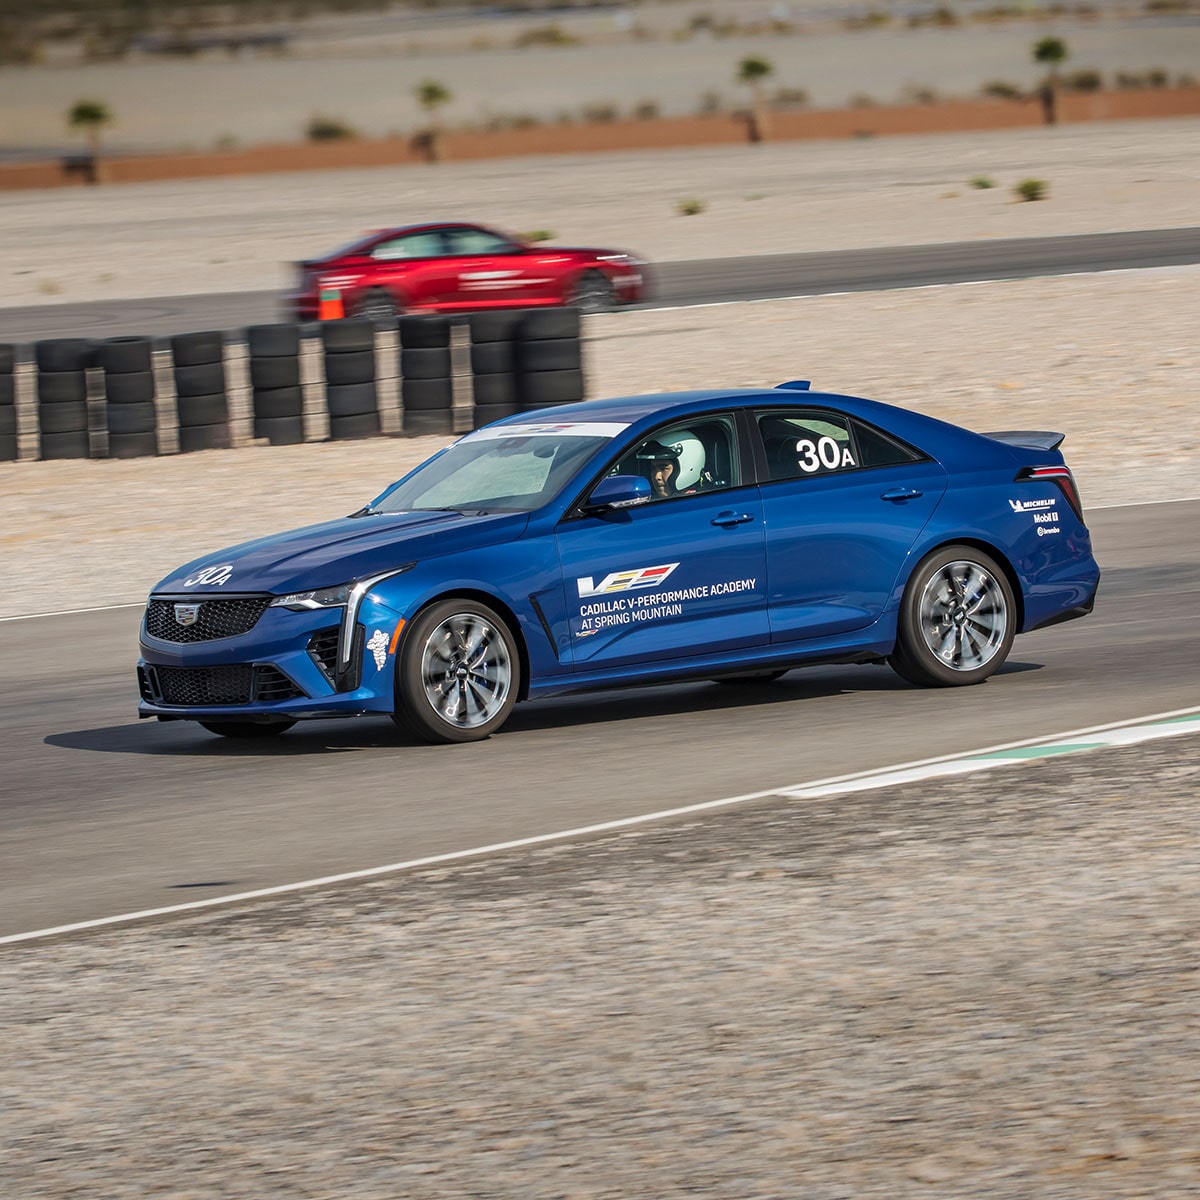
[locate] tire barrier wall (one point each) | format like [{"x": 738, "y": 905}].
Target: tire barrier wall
[
  {"x": 8, "y": 404},
  {"x": 127, "y": 397}
]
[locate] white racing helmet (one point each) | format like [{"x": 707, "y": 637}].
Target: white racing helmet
[{"x": 690, "y": 451}]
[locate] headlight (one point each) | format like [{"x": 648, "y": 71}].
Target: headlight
[
  {"x": 625, "y": 260},
  {"x": 333, "y": 597}
]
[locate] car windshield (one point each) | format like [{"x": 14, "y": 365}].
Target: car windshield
[{"x": 514, "y": 468}]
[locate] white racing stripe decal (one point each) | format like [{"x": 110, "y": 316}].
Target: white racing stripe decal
[{"x": 1120, "y": 733}]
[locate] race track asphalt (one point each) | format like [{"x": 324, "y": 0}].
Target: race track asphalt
[
  {"x": 706, "y": 281},
  {"x": 103, "y": 814}
]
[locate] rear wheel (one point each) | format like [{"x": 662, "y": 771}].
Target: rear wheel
[
  {"x": 377, "y": 304},
  {"x": 458, "y": 673},
  {"x": 247, "y": 729},
  {"x": 594, "y": 294},
  {"x": 957, "y": 620}
]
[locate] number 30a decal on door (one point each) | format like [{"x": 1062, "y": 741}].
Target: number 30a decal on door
[{"x": 823, "y": 455}]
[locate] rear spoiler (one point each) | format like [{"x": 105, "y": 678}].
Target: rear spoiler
[{"x": 1031, "y": 439}]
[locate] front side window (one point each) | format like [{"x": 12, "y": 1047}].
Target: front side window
[
  {"x": 467, "y": 240},
  {"x": 801, "y": 444},
  {"x": 694, "y": 456},
  {"x": 411, "y": 245}
]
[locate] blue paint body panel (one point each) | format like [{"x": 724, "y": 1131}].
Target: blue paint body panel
[{"x": 768, "y": 574}]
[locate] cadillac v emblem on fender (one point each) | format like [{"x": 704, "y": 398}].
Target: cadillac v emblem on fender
[
  {"x": 187, "y": 614},
  {"x": 213, "y": 576}
]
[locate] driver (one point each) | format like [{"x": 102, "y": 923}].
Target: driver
[{"x": 661, "y": 465}]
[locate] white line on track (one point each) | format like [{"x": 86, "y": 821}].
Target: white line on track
[
  {"x": 71, "y": 612},
  {"x": 1117, "y": 733}
]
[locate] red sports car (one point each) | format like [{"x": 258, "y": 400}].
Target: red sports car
[{"x": 460, "y": 268}]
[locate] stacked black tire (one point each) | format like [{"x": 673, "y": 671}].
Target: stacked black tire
[
  {"x": 202, "y": 403},
  {"x": 426, "y": 375},
  {"x": 8, "y": 404},
  {"x": 275, "y": 383},
  {"x": 62, "y": 365},
  {"x": 549, "y": 358},
  {"x": 494, "y": 364},
  {"x": 130, "y": 411},
  {"x": 350, "y": 392}
]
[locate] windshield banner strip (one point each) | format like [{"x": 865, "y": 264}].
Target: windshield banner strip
[{"x": 595, "y": 429}]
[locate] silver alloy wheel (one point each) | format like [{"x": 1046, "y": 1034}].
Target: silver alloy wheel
[
  {"x": 594, "y": 294},
  {"x": 377, "y": 305},
  {"x": 963, "y": 615},
  {"x": 466, "y": 670}
]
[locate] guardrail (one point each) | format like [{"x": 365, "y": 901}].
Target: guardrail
[{"x": 283, "y": 384}]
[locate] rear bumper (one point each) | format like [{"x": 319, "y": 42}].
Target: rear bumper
[{"x": 1070, "y": 614}]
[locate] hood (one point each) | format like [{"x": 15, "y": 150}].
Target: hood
[{"x": 336, "y": 552}]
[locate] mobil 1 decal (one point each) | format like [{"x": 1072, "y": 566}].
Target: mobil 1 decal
[{"x": 639, "y": 595}]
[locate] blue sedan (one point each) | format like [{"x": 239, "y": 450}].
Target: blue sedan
[{"x": 728, "y": 534}]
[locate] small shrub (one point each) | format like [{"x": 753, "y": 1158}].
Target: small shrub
[
  {"x": 862, "y": 100},
  {"x": 539, "y": 235},
  {"x": 328, "y": 129},
  {"x": 545, "y": 35},
  {"x": 918, "y": 93},
  {"x": 983, "y": 181},
  {"x": 790, "y": 97},
  {"x": 599, "y": 114},
  {"x": 690, "y": 207},
  {"x": 1001, "y": 89},
  {"x": 646, "y": 110},
  {"x": 1083, "y": 81},
  {"x": 1031, "y": 189},
  {"x": 711, "y": 103}
]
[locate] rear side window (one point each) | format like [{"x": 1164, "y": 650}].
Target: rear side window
[{"x": 798, "y": 445}]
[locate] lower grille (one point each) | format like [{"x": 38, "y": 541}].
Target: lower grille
[
  {"x": 323, "y": 648},
  {"x": 204, "y": 687}
]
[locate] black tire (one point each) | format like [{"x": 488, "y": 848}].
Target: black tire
[
  {"x": 64, "y": 445},
  {"x": 63, "y": 354},
  {"x": 353, "y": 367},
  {"x": 958, "y": 598},
  {"x": 132, "y": 445},
  {"x": 8, "y": 358},
  {"x": 280, "y": 431},
  {"x": 427, "y": 394},
  {"x": 125, "y": 355},
  {"x": 430, "y": 332},
  {"x": 751, "y": 679},
  {"x": 8, "y": 447},
  {"x": 493, "y": 358},
  {"x": 494, "y": 389},
  {"x": 351, "y": 400},
  {"x": 203, "y": 437},
  {"x": 499, "y": 325},
  {"x": 485, "y": 414},
  {"x": 593, "y": 293},
  {"x": 543, "y": 388},
  {"x": 204, "y": 379},
  {"x": 377, "y": 304},
  {"x": 8, "y": 421},
  {"x": 425, "y": 364},
  {"x": 70, "y": 417},
  {"x": 135, "y": 387},
  {"x": 347, "y": 335},
  {"x": 132, "y": 418},
  {"x": 277, "y": 403},
  {"x": 273, "y": 341},
  {"x": 8, "y": 391},
  {"x": 198, "y": 349},
  {"x": 362, "y": 425},
  {"x": 269, "y": 373},
  {"x": 544, "y": 324},
  {"x": 422, "y": 422},
  {"x": 562, "y": 355},
  {"x": 196, "y": 411},
  {"x": 490, "y": 660},
  {"x": 246, "y": 729},
  {"x": 61, "y": 387}
]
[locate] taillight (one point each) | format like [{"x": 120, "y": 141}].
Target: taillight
[{"x": 1060, "y": 476}]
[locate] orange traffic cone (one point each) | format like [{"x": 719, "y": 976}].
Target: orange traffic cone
[{"x": 329, "y": 306}]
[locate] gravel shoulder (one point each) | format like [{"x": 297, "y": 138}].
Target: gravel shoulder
[{"x": 968, "y": 988}]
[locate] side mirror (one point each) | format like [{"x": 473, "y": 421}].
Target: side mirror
[{"x": 619, "y": 491}]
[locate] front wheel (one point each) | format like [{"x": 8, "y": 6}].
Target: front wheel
[
  {"x": 957, "y": 620},
  {"x": 247, "y": 729},
  {"x": 594, "y": 294},
  {"x": 378, "y": 305},
  {"x": 458, "y": 673}
]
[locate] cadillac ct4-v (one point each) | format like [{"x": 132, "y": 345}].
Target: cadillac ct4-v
[
  {"x": 463, "y": 268},
  {"x": 728, "y": 534}
]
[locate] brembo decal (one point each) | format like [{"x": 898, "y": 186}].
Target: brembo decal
[{"x": 210, "y": 576}]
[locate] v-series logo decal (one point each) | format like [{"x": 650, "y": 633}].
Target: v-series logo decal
[
  {"x": 1030, "y": 505},
  {"x": 625, "y": 581}
]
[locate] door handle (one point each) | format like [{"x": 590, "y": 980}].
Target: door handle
[
  {"x": 901, "y": 493},
  {"x": 727, "y": 520}
]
